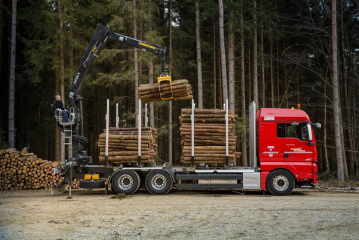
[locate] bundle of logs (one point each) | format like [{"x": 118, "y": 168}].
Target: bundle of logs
[
  {"x": 181, "y": 90},
  {"x": 23, "y": 170},
  {"x": 123, "y": 145},
  {"x": 209, "y": 136}
]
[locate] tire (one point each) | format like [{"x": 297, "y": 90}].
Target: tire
[
  {"x": 159, "y": 182},
  {"x": 126, "y": 181},
  {"x": 280, "y": 182}
]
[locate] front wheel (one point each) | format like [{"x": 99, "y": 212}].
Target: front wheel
[
  {"x": 280, "y": 182},
  {"x": 126, "y": 181},
  {"x": 159, "y": 182}
]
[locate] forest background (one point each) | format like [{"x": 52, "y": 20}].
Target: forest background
[{"x": 278, "y": 53}]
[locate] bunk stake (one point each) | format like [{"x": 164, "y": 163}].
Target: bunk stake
[
  {"x": 139, "y": 161},
  {"x": 70, "y": 181},
  {"x": 107, "y": 131},
  {"x": 139, "y": 132}
]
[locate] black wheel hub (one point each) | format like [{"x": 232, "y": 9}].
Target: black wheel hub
[
  {"x": 281, "y": 183},
  {"x": 159, "y": 181},
  {"x": 126, "y": 181}
]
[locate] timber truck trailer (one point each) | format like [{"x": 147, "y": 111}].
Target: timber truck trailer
[{"x": 282, "y": 147}]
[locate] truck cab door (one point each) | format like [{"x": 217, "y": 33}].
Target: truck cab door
[{"x": 298, "y": 150}]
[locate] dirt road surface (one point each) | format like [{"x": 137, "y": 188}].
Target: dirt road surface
[{"x": 179, "y": 215}]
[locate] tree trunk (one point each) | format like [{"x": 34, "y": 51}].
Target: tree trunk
[
  {"x": 343, "y": 142},
  {"x": 72, "y": 70},
  {"x": 214, "y": 66},
  {"x": 340, "y": 169},
  {"x": 243, "y": 94},
  {"x": 278, "y": 77},
  {"x": 326, "y": 163},
  {"x": 271, "y": 72},
  {"x": 346, "y": 96},
  {"x": 62, "y": 73},
  {"x": 170, "y": 72},
  {"x": 231, "y": 63},
  {"x": 1, "y": 14},
  {"x": 249, "y": 72},
  {"x": 199, "y": 58},
  {"x": 136, "y": 61},
  {"x": 11, "y": 127},
  {"x": 150, "y": 70},
  {"x": 57, "y": 130},
  {"x": 255, "y": 55},
  {"x": 223, "y": 52},
  {"x": 263, "y": 68}
]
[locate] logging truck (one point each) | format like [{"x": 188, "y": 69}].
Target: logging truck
[{"x": 282, "y": 146}]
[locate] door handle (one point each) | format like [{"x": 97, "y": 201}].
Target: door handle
[{"x": 286, "y": 155}]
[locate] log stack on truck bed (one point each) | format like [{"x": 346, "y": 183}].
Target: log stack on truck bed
[
  {"x": 181, "y": 90},
  {"x": 209, "y": 136},
  {"x": 23, "y": 170},
  {"x": 123, "y": 145}
]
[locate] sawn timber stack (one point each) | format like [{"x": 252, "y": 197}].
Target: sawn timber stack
[
  {"x": 181, "y": 90},
  {"x": 123, "y": 145},
  {"x": 209, "y": 136}
]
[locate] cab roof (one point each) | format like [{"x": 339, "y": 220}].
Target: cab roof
[{"x": 275, "y": 114}]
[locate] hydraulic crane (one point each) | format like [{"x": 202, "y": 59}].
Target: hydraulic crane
[{"x": 73, "y": 128}]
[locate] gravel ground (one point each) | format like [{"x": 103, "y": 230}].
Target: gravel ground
[{"x": 179, "y": 215}]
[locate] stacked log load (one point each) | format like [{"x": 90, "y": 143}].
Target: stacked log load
[
  {"x": 123, "y": 145},
  {"x": 23, "y": 170},
  {"x": 181, "y": 90},
  {"x": 209, "y": 136}
]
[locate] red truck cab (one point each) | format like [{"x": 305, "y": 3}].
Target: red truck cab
[{"x": 286, "y": 149}]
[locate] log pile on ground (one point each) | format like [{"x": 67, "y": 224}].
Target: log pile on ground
[
  {"x": 181, "y": 90},
  {"x": 123, "y": 145},
  {"x": 209, "y": 136},
  {"x": 23, "y": 170}
]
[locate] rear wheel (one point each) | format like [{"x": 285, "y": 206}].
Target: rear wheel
[
  {"x": 159, "y": 182},
  {"x": 280, "y": 182},
  {"x": 126, "y": 181}
]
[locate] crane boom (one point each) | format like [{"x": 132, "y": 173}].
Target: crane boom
[{"x": 101, "y": 35}]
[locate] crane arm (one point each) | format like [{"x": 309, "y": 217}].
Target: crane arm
[{"x": 101, "y": 35}]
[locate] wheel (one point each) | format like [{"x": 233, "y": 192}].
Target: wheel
[
  {"x": 280, "y": 182},
  {"x": 159, "y": 182},
  {"x": 126, "y": 181}
]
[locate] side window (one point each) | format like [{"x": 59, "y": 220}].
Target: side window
[
  {"x": 291, "y": 131},
  {"x": 280, "y": 130},
  {"x": 288, "y": 130}
]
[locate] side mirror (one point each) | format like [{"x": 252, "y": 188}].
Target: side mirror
[
  {"x": 311, "y": 144},
  {"x": 318, "y": 125},
  {"x": 309, "y": 131}
]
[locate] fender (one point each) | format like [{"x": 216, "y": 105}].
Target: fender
[
  {"x": 171, "y": 174},
  {"x": 270, "y": 167}
]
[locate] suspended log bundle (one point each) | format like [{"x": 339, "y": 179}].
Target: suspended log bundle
[
  {"x": 181, "y": 90},
  {"x": 21, "y": 170},
  {"x": 209, "y": 136},
  {"x": 123, "y": 145}
]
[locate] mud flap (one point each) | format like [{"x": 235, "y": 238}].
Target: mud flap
[{"x": 58, "y": 189}]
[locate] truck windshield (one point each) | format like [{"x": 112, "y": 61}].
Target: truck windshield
[{"x": 293, "y": 131}]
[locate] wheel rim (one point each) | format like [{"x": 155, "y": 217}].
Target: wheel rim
[
  {"x": 158, "y": 182},
  {"x": 280, "y": 183},
  {"x": 125, "y": 182}
]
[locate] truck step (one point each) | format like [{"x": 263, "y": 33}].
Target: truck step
[{"x": 307, "y": 186}]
